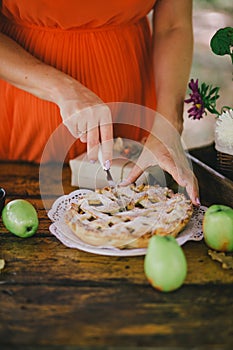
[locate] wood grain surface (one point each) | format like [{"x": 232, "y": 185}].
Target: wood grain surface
[{"x": 54, "y": 297}]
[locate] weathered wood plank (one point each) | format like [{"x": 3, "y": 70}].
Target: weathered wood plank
[
  {"x": 116, "y": 316},
  {"x": 29, "y": 180},
  {"x": 62, "y": 298},
  {"x": 46, "y": 260}
]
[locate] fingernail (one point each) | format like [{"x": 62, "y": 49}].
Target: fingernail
[
  {"x": 107, "y": 165},
  {"x": 198, "y": 201},
  {"x": 123, "y": 183},
  {"x": 92, "y": 161}
]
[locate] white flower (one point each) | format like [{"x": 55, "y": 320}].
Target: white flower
[{"x": 224, "y": 128}]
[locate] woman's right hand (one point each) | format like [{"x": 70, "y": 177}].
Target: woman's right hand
[{"x": 87, "y": 117}]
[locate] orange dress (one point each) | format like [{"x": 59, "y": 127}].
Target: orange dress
[{"x": 106, "y": 45}]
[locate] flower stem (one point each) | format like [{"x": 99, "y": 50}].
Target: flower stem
[{"x": 225, "y": 108}]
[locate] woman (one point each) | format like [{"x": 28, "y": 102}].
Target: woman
[{"x": 64, "y": 62}]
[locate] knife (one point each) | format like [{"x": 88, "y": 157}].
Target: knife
[{"x": 109, "y": 177}]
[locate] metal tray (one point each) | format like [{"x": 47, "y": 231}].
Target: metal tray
[{"x": 215, "y": 187}]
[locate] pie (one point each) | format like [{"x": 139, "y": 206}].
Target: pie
[{"x": 126, "y": 217}]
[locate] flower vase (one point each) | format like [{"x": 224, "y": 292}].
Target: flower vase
[{"x": 224, "y": 142}]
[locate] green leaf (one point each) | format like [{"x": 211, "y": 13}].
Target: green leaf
[
  {"x": 204, "y": 89},
  {"x": 212, "y": 110},
  {"x": 222, "y": 41},
  {"x": 214, "y": 98},
  {"x": 214, "y": 90}
]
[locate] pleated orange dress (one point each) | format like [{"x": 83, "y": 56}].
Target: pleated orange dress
[{"x": 106, "y": 45}]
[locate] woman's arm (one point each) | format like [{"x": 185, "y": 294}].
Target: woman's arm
[
  {"x": 26, "y": 72},
  {"x": 172, "y": 57},
  {"x": 76, "y": 102},
  {"x": 173, "y": 50}
]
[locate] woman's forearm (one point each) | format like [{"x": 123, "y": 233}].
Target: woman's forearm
[
  {"x": 82, "y": 111},
  {"x": 26, "y": 72},
  {"x": 173, "y": 49},
  {"x": 172, "y": 71}
]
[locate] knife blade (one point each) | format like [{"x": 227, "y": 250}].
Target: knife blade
[
  {"x": 110, "y": 180},
  {"x": 109, "y": 177}
]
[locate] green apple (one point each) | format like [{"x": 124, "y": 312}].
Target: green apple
[
  {"x": 165, "y": 264},
  {"x": 20, "y": 218},
  {"x": 218, "y": 227}
]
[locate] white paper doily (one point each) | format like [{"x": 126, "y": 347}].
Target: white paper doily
[{"x": 193, "y": 231}]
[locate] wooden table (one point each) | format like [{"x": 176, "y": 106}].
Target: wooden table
[{"x": 54, "y": 297}]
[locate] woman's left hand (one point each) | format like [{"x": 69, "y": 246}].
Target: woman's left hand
[{"x": 164, "y": 148}]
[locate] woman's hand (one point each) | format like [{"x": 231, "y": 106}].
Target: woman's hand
[
  {"x": 164, "y": 148},
  {"x": 88, "y": 118}
]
